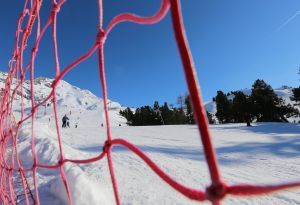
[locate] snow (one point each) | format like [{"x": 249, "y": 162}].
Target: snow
[
  {"x": 211, "y": 107},
  {"x": 67, "y": 95},
  {"x": 84, "y": 190},
  {"x": 263, "y": 154}
]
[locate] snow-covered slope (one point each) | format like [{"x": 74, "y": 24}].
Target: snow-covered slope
[
  {"x": 67, "y": 95},
  {"x": 262, "y": 154},
  {"x": 70, "y": 99},
  {"x": 285, "y": 93}
]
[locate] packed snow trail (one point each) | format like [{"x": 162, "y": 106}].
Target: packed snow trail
[{"x": 263, "y": 154}]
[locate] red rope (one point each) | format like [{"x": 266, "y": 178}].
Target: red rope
[
  {"x": 191, "y": 79},
  {"x": 188, "y": 192},
  {"x": 10, "y": 162}
]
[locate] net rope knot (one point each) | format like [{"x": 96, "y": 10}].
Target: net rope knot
[
  {"x": 60, "y": 162},
  {"x": 106, "y": 146},
  {"x": 33, "y": 110},
  {"x": 34, "y": 49},
  {"x": 101, "y": 37},
  {"x": 217, "y": 192},
  {"x": 55, "y": 8},
  {"x": 54, "y": 83}
]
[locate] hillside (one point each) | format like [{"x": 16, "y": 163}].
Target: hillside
[
  {"x": 70, "y": 99},
  {"x": 263, "y": 154}
]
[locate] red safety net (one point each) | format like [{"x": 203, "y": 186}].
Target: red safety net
[{"x": 11, "y": 166}]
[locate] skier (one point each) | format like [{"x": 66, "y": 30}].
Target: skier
[
  {"x": 65, "y": 119},
  {"x": 248, "y": 119}
]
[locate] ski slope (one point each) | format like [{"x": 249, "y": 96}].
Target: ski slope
[{"x": 265, "y": 153}]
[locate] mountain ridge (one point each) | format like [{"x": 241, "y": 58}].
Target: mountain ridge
[{"x": 67, "y": 95}]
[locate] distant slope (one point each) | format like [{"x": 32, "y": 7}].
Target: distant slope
[{"x": 69, "y": 98}]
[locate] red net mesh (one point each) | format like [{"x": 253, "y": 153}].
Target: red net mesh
[{"x": 14, "y": 178}]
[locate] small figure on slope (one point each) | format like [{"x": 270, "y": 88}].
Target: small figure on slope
[
  {"x": 248, "y": 119},
  {"x": 65, "y": 121}
]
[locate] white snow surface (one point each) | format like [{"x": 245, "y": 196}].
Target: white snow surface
[{"x": 263, "y": 154}]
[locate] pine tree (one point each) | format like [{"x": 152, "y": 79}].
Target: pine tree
[
  {"x": 210, "y": 118},
  {"x": 180, "y": 101},
  {"x": 286, "y": 111},
  {"x": 267, "y": 106},
  {"x": 189, "y": 110},
  {"x": 156, "y": 105},
  {"x": 241, "y": 107},
  {"x": 179, "y": 117},
  {"x": 166, "y": 114},
  {"x": 158, "y": 116},
  {"x": 147, "y": 116},
  {"x": 264, "y": 101},
  {"x": 128, "y": 114},
  {"x": 224, "y": 108},
  {"x": 137, "y": 118},
  {"x": 296, "y": 94}
]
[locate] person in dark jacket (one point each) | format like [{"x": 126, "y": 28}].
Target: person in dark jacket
[
  {"x": 248, "y": 119},
  {"x": 65, "y": 119}
]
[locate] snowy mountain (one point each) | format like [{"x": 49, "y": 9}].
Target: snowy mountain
[{"x": 68, "y": 96}]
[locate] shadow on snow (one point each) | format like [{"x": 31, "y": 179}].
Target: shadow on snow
[
  {"x": 279, "y": 145},
  {"x": 263, "y": 128}
]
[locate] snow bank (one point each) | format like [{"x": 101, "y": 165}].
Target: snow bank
[
  {"x": 46, "y": 144},
  {"x": 83, "y": 190}
]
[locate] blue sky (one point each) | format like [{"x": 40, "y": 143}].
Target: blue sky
[{"x": 233, "y": 43}]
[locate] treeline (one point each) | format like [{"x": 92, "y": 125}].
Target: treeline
[
  {"x": 161, "y": 115},
  {"x": 263, "y": 105}
]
